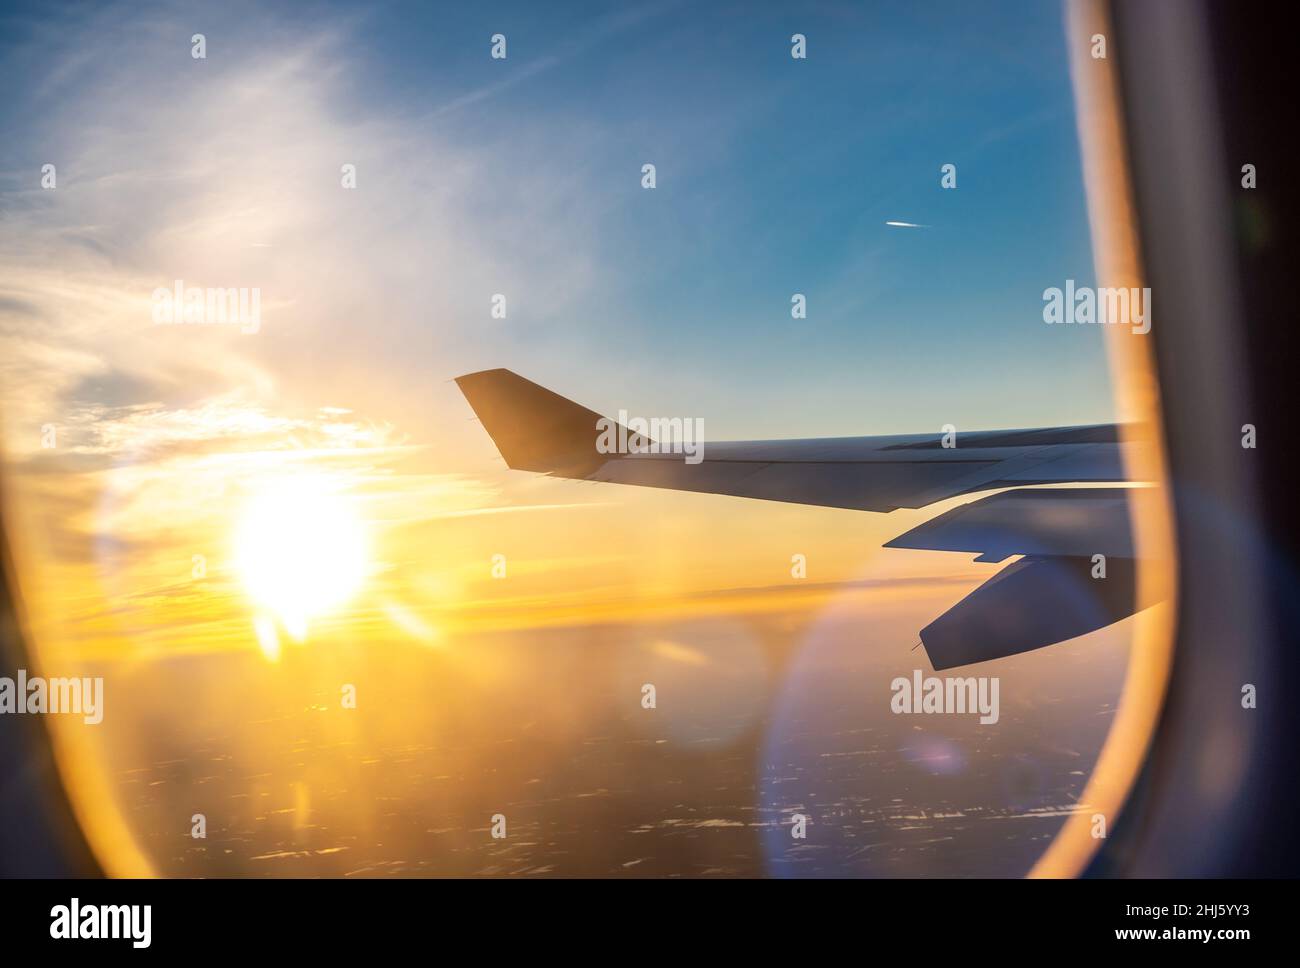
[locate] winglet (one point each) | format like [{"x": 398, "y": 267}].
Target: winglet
[{"x": 533, "y": 428}]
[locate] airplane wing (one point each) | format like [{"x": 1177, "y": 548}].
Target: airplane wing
[
  {"x": 1050, "y": 594},
  {"x": 541, "y": 431},
  {"x": 1077, "y": 571}
]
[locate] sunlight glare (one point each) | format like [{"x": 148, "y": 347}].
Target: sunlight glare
[{"x": 301, "y": 551}]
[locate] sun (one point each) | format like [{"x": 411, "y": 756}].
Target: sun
[{"x": 301, "y": 550}]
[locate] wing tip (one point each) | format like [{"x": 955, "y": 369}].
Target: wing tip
[{"x": 534, "y": 429}]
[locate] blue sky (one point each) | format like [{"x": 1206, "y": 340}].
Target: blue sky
[
  {"x": 776, "y": 176},
  {"x": 522, "y": 176}
]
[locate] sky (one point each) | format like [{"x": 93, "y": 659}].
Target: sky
[
  {"x": 522, "y": 176},
  {"x": 519, "y": 176}
]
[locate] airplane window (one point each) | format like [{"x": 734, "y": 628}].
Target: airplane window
[{"x": 642, "y": 442}]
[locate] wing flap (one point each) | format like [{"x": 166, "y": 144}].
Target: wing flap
[{"x": 1078, "y": 522}]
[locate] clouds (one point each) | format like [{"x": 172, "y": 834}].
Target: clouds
[
  {"x": 226, "y": 172},
  {"x": 168, "y": 168}
]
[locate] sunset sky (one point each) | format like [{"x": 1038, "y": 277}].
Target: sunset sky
[{"x": 520, "y": 176}]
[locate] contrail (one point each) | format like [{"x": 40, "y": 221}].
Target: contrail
[{"x": 907, "y": 225}]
